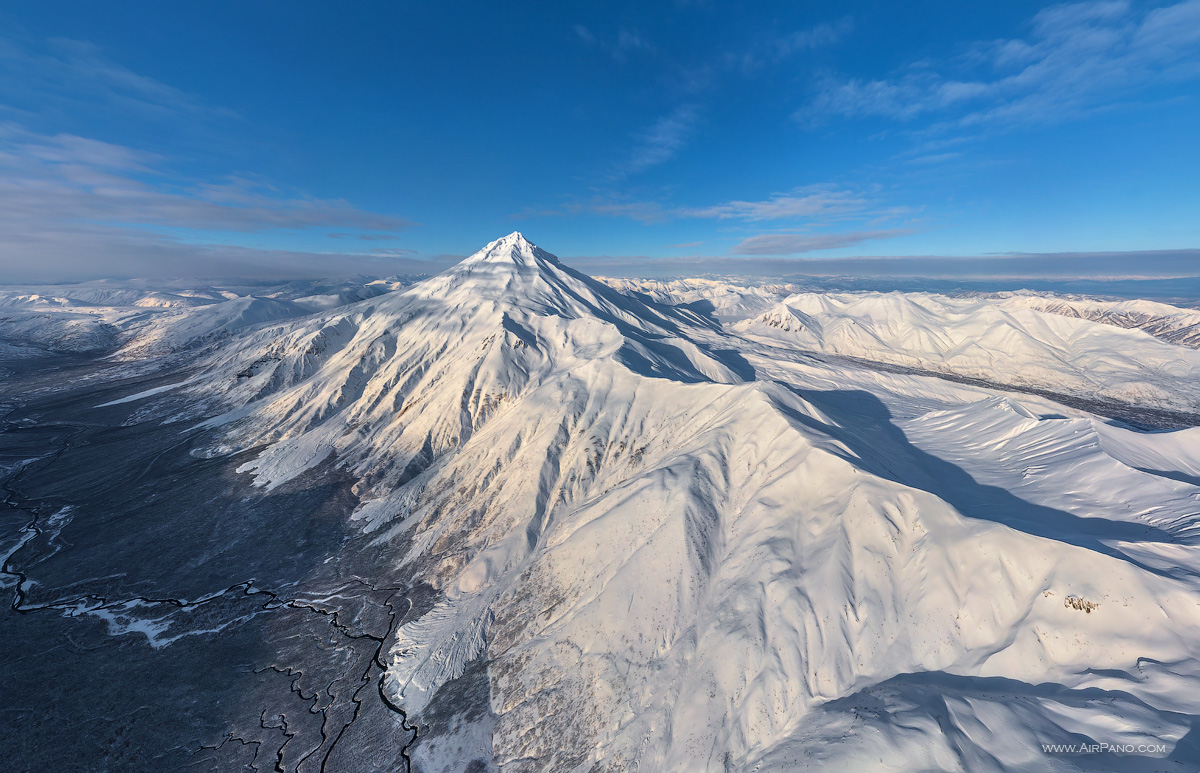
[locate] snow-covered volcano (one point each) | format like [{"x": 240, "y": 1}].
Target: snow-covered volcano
[
  {"x": 666, "y": 547},
  {"x": 393, "y": 382}
]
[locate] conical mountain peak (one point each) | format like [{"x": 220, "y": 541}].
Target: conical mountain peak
[
  {"x": 515, "y": 273},
  {"x": 513, "y": 249}
]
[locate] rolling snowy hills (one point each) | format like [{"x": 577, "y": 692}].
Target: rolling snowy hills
[
  {"x": 135, "y": 321},
  {"x": 1018, "y": 341},
  {"x": 636, "y": 539},
  {"x": 1161, "y": 320}
]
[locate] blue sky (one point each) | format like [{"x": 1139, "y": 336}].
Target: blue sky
[{"x": 319, "y": 138}]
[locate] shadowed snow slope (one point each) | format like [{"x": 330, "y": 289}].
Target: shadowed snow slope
[
  {"x": 725, "y": 300},
  {"x": 672, "y": 558}
]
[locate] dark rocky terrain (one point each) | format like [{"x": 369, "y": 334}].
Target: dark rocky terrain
[{"x": 239, "y": 644}]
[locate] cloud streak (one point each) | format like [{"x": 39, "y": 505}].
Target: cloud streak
[
  {"x": 805, "y": 204},
  {"x": 75, "y": 179},
  {"x": 69, "y": 73},
  {"x": 76, "y": 251},
  {"x": 659, "y": 143},
  {"x": 776, "y": 49},
  {"x": 621, "y": 47},
  {"x": 74, "y": 205},
  {"x": 796, "y": 244},
  {"x": 1090, "y": 266},
  {"x": 1078, "y": 58},
  {"x": 799, "y": 203}
]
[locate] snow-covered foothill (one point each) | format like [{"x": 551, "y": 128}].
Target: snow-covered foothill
[{"x": 995, "y": 340}]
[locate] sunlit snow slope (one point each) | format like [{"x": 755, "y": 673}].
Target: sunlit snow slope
[
  {"x": 1019, "y": 341},
  {"x": 673, "y": 548}
]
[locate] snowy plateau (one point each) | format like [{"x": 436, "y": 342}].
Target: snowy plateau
[{"x": 514, "y": 518}]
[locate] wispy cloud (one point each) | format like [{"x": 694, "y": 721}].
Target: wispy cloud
[
  {"x": 1077, "y": 58},
  {"x": 363, "y": 237},
  {"x": 814, "y": 37},
  {"x": 773, "y": 49},
  {"x": 767, "y": 48},
  {"x": 692, "y": 82},
  {"x": 629, "y": 41},
  {"x": 85, "y": 252},
  {"x": 606, "y": 206},
  {"x": 620, "y": 46},
  {"x": 932, "y": 159},
  {"x": 70, "y": 203},
  {"x": 584, "y": 34},
  {"x": 77, "y": 179},
  {"x": 804, "y": 204},
  {"x": 795, "y": 244},
  {"x": 64, "y": 72},
  {"x": 1018, "y": 269},
  {"x": 797, "y": 204},
  {"x": 660, "y": 142}
]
